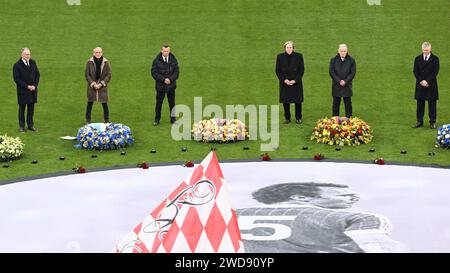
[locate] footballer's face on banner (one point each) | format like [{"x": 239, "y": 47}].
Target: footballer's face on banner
[
  {"x": 335, "y": 198},
  {"x": 165, "y": 51}
]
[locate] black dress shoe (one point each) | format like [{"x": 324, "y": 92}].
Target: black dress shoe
[
  {"x": 32, "y": 129},
  {"x": 298, "y": 121},
  {"x": 418, "y": 124},
  {"x": 156, "y": 123},
  {"x": 287, "y": 121},
  {"x": 22, "y": 130},
  {"x": 173, "y": 120},
  {"x": 433, "y": 125}
]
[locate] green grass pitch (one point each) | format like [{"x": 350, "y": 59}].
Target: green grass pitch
[{"x": 226, "y": 50}]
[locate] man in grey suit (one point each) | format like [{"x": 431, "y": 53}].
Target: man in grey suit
[{"x": 342, "y": 72}]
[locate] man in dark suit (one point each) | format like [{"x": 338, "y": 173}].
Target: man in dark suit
[
  {"x": 290, "y": 69},
  {"x": 26, "y": 76},
  {"x": 342, "y": 72},
  {"x": 426, "y": 69},
  {"x": 165, "y": 72}
]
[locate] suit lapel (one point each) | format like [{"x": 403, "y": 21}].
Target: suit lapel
[{"x": 23, "y": 64}]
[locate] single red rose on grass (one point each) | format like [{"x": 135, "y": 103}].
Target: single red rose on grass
[
  {"x": 379, "y": 161},
  {"x": 265, "y": 157},
  {"x": 189, "y": 164},
  {"x": 143, "y": 165},
  {"x": 80, "y": 169},
  {"x": 319, "y": 156}
]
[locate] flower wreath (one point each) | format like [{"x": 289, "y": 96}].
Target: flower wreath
[
  {"x": 220, "y": 130},
  {"x": 104, "y": 136},
  {"x": 342, "y": 131}
]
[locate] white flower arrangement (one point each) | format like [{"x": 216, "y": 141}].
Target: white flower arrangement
[
  {"x": 11, "y": 148},
  {"x": 219, "y": 130}
]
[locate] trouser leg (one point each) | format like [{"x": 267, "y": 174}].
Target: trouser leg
[
  {"x": 30, "y": 115},
  {"x": 336, "y": 104},
  {"x": 287, "y": 111},
  {"x": 420, "y": 110},
  {"x": 348, "y": 106},
  {"x": 432, "y": 110},
  {"x": 89, "y": 110},
  {"x": 298, "y": 111},
  {"x": 22, "y": 115},
  {"x": 105, "y": 112},
  {"x": 159, "y": 100},
  {"x": 171, "y": 99}
]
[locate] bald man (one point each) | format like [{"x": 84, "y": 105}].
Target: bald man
[
  {"x": 26, "y": 76},
  {"x": 98, "y": 75}
]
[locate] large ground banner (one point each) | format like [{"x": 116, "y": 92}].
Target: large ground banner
[{"x": 282, "y": 207}]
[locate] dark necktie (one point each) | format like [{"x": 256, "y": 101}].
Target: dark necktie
[{"x": 28, "y": 65}]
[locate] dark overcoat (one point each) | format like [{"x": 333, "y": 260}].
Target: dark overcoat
[
  {"x": 290, "y": 70},
  {"x": 426, "y": 71},
  {"x": 24, "y": 76},
  {"x": 342, "y": 70},
  {"x": 161, "y": 70}
]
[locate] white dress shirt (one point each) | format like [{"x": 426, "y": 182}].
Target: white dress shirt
[{"x": 27, "y": 63}]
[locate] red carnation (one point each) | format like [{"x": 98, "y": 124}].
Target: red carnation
[
  {"x": 265, "y": 157},
  {"x": 319, "y": 156}
]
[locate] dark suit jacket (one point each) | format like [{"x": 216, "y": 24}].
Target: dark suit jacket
[
  {"x": 342, "y": 70},
  {"x": 161, "y": 70},
  {"x": 290, "y": 71},
  {"x": 24, "y": 76},
  {"x": 426, "y": 71}
]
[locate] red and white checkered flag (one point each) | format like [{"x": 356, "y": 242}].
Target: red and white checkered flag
[{"x": 195, "y": 217}]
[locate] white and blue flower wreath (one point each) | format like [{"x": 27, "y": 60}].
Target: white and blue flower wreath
[
  {"x": 104, "y": 136},
  {"x": 443, "y": 136}
]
